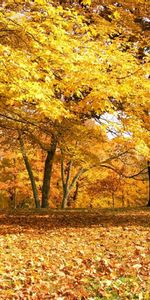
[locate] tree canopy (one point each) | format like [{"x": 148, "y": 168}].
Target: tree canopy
[{"x": 74, "y": 88}]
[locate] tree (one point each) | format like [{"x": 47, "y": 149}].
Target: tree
[
  {"x": 48, "y": 172},
  {"x": 29, "y": 170},
  {"x": 14, "y": 182},
  {"x": 57, "y": 62},
  {"x": 148, "y": 168},
  {"x": 66, "y": 184}
]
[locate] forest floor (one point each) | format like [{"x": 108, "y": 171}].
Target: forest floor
[{"x": 75, "y": 254}]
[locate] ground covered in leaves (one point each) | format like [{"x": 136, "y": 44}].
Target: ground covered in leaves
[{"x": 75, "y": 254}]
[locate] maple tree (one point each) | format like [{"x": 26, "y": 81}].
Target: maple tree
[
  {"x": 56, "y": 63},
  {"x": 106, "y": 186},
  {"x": 15, "y": 184},
  {"x": 29, "y": 169}
]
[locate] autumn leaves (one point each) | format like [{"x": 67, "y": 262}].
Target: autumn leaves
[{"x": 61, "y": 67}]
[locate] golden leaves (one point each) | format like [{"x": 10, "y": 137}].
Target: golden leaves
[
  {"x": 51, "y": 57},
  {"x": 116, "y": 15},
  {"x": 86, "y": 2},
  {"x": 92, "y": 238}
]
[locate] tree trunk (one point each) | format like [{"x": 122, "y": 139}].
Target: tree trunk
[
  {"x": 113, "y": 199},
  {"x": 67, "y": 186},
  {"x": 65, "y": 198},
  {"x": 12, "y": 198},
  {"x": 76, "y": 192},
  {"x": 148, "y": 166},
  {"x": 30, "y": 173},
  {"x": 123, "y": 200},
  {"x": 65, "y": 181},
  {"x": 14, "y": 179},
  {"x": 48, "y": 172}
]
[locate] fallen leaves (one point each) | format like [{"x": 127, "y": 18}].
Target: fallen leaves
[{"x": 41, "y": 258}]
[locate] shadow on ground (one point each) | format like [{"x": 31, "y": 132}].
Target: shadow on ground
[{"x": 18, "y": 221}]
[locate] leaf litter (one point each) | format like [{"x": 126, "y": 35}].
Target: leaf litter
[{"x": 75, "y": 255}]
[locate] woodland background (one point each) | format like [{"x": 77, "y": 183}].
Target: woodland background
[{"x": 74, "y": 104}]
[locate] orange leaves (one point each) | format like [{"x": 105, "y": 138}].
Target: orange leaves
[
  {"x": 74, "y": 255},
  {"x": 56, "y": 48},
  {"x": 61, "y": 66}
]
